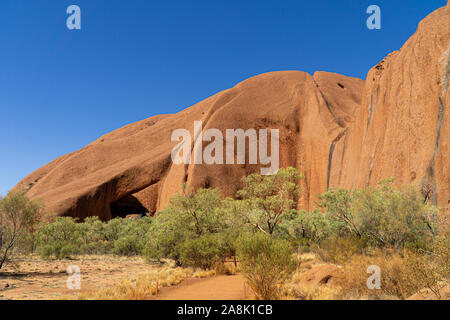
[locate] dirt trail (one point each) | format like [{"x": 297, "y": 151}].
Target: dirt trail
[{"x": 216, "y": 288}]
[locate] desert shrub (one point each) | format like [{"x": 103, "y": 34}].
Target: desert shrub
[
  {"x": 425, "y": 272},
  {"x": 113, "y": 228},
  {"x": 59, "y": 239},
  {"x": 316, "y": 226},
  {"x": 304, "y": 228},
  {"x": 430, "y": 269},
  {"x": 132, "y": 235},
  {"x": 354, "y": 279},
  {"x": 441, "y": 255},
  {"x": 402, "y": 275},
  {"x": 203, "y": 252},
  {"x": 187, "y": 217},
  {"x": 190, "y": 219},
  {"x": 127, "y": 246},
  {"x": 18, "y": 216},
  {"x": 92, "y": 236},
  {"x": 397, "y": 218},
  {"x": 266, "y": 263},
  {"x": 386, "y": 217},
  {"x": 66, "y": 237}
]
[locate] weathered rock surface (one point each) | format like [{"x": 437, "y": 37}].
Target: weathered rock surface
[
  {"x": 321, "y": 275},
  {"x": 130, "y": 170},
  {"x": 337, "y": 130},
  {"x": 402, "y": 129}
]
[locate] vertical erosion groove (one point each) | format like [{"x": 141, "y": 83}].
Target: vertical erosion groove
[{"x": 330, "y": 154}]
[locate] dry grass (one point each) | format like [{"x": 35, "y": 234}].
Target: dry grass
[
  {"x": 402, "y": 275},
  {"x": 309, "y": 257},
  {"x": 146, "y": 284},
  {"x": 227, "y": 268},
  {"x": 325, "y": 292},
  {"x": 354, "y": 280},
  {"x": 203, "y": 273},
  {"x": 293, "y": 290}
]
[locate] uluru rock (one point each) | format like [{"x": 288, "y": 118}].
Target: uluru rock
[
  {"x": 338, "y": 131},
  {"x": 130, "y": 171},
  {"x": 402, "y": 128}
]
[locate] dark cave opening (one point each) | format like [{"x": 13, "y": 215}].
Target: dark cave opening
[{"x": 126, "y": 206}]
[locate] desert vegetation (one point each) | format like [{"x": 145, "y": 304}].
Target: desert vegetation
[
  {"x": 144, "y": 284},
  {"x": 18, "y": 218},
  {"x": 264, "y": 233}
]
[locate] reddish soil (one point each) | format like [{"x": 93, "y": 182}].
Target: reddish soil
[
  {"x": 216, "y": 288},
  {"x": 35, "y": 279}
]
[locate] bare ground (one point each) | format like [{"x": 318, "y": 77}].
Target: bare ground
[
  {"x": 220, "y": 287},
  {"x": 35, "y": 279}
]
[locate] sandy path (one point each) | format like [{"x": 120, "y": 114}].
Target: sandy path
[{"x": 215, "y": 288}]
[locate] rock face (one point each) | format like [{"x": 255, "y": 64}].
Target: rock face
[
  {"x": 402, "y": 129},
  {"x": 130, "y": 170},
  {"x": 337, "y": 130},
  {"x": 321, "y": 275}
]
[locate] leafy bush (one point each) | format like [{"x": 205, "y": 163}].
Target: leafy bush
[
  {"x": 304, "y": 228},
  {"x": 127, "y": 246},
  {"x": 188, "y": 218},
  {"x": 266, "y": 263},
  {"x": 18, "y": 216},
  {"x": 166, "y": 232},
  {"x": 65, "y": 237},
  {"x": 92, "y": 236},
  {"x": 203, "y": 252},
  {"x": 60, "y": 239},
  {"x": 132, "y": 237},
  {"x": 386, "y": 217}
]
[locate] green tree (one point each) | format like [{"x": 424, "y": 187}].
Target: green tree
[
  {"x": 18, "y": 216},
  {"x": 339, "y": 211},
  {"x": 199, "y": 209},
  {"x": 268, "y": 200}
]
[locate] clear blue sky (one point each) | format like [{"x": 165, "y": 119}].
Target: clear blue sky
[{"x": 61, "y": 89}]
